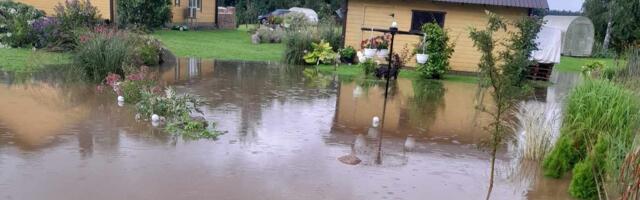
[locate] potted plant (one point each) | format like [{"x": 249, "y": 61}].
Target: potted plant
[
  {"x": 421, "y": 53},
  {"x": 369, "y": 46},
  {"x": 383, "y": 45},
  {"x": 347, "y": 55}
]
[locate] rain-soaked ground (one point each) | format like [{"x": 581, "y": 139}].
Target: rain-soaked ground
[{"x": 286, "y": 132}]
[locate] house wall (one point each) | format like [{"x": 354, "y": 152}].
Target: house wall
[
  {"x": 48, "y": 6},
  {"x": 205, "y": 17},
  {"x": 458, "y": 19}
]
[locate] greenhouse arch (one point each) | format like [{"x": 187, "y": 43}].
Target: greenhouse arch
[{"x": 577, "y": 34}]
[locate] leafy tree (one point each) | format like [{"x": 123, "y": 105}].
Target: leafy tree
[
  {"x": 146, "y": 13},
  {"x": 615, "y": 22}
]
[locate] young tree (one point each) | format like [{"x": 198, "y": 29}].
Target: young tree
[{"x": 504, "y": 74}]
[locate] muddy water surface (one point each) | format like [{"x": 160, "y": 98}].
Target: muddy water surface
[{"x": 286, "y": 132}]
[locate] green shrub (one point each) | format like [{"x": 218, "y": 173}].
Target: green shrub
[
  {"x": 146, "y": 50},
  {"x": 599, "y": 124},
  {"x": 77, "y": 13},
  {"x": 15, "y": 24},
  {"x": 101, "y": 53},
  {"x": 583, "y": 185},
  {"x": 269, "y": 35},
  {"x": 437, "y": 46},
  {"x": 322, "y": 53},
  {"x": 347, "y": 54},
  {"x": 148, "y": 14},
  {"x": 297, "y": 44},
  {"x": 368, "y": 67}
]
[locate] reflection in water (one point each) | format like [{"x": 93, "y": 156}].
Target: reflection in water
[{"x": 285, "y": 130}]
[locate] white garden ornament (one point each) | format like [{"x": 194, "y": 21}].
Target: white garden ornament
[{"x": 375, "y": 122}]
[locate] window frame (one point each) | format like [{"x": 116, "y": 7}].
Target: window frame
[
  {"x": 176, "y": 3},
  {"x": 413, "y": 12}
]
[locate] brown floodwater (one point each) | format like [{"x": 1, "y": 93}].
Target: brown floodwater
[{"x": 286, "y": 131}]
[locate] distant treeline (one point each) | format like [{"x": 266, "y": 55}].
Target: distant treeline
[{"x": 249, "y": 10}]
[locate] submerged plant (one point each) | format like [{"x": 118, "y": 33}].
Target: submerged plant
[{"x": 537, "y": 125}]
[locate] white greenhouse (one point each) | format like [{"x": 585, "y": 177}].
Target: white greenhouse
[{"x": 577, "y": 34}]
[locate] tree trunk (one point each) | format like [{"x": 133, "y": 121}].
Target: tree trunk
[{"x": 607, "y": 36}]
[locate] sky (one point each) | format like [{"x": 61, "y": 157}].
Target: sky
[{"x": 572, "y": 5}]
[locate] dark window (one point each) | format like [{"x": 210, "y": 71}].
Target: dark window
[
  {"x": 422, "y": 17},
  {"x": 177, "y": 3},
  {"x": 196, "y": 4}
]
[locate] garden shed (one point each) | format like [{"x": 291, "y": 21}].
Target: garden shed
[
  {"x": 577, "y": 34},
  {"x": 457, "y": 16}
]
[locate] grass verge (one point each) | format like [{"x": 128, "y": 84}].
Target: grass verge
[
  {"x": 354, "y": 70},
  {"x": 25, "y": 60}
]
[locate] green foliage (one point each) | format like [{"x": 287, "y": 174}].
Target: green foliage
[
  {"x": 368, "y": 67},
  {"x": 77, "y": 13},
  {"x": 591, "y": 68},
  {"x": 269, "y": 35},
  {"x": 192, "y": 129},
  {"x": 146, "y": 50},
  {"x": 15, "y": 23},
  {"x": 132, "y": 89},
  {"x": 600, "y": 121},
  {"x": 504, "y": 79},
  {"x": 297, "y": 43},
  {"x": 347, "y": 54},
  {"x": 147, "y": 14},
  {"x": 436, "y": 44},
  {"x": 330, "y": 32},
  {"x": 102, "y": 53},
  {"x": 322, "y": 53},
  {"x": 624, "y": 15},
  {"x": 561, "y": 158},
  {"x": 583, "y": 185}
]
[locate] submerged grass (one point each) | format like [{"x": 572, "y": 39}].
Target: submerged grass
[
  {"x": 537, "y": 124},
  {"x": 598, "y": 130}
]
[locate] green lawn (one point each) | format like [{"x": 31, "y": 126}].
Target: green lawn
[
  {"x": 22, "y": 60},
  {"x": 218, "y": 44},
  {"x": 354, "y": 70},
  {"x": 573, "y": 64}
]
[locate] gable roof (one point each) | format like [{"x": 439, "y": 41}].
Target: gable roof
[{"x": 508, "y": 3}]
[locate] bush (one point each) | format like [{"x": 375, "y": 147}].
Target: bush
[
  {"x": 146, "y": 50},
  {"x": 330, "y": 32},
  {"x": 297, "y": 44},
  {"x": 322, "y": 53},
  {"x": 148, "y": 14},
  {"x": 583, "y": 185},
  {"x": 77, "y": 13},
  {"x": 437, "y": 46},
  {"x": 347, "y": 54},
  {"x": 15, "y": 23},
  {"x": 368, "y": 67},
  {"x": 100, "y": 53},
  {"x": 269, "y": 35},
  {"x": 598, "y": 129}
]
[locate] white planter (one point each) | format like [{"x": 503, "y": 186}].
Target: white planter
[
  {"x": 369, "y": 53},
  {"x": 422, "y": 58},
  {"x": 383, "y": 53}
]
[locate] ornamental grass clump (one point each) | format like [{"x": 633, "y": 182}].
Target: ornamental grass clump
[
  {"x": 537, "y": 122},
  {"x": 599, "y": 126}
]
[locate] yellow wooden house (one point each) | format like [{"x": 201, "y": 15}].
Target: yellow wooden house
[
  {"x": 457, "y": 16},
  {"x": 200, "y": 13}
]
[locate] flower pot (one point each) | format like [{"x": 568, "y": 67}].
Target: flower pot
[
  {"x": 383, "y": 53},
  {"x": 422, "y": 58},
  {"x": 369, "y": 53}
]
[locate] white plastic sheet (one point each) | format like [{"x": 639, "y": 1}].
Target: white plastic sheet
[
  {"x": 312, "y": 16},
  {"x": 549, "y": 45}
]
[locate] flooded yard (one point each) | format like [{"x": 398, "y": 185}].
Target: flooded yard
[{"x": 286, "y": 132}]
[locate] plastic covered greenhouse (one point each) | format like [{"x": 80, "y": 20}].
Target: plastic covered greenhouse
[{"x": 577, "y": 34}]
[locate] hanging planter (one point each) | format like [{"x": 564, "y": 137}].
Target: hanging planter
[
  {"x": 369, "y": 52},
  {"x": 383, "y": 53},
  {"x": 422, "y": 58}
]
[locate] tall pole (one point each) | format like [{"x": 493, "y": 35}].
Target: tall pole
[{"x": 393, "y": 30}]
